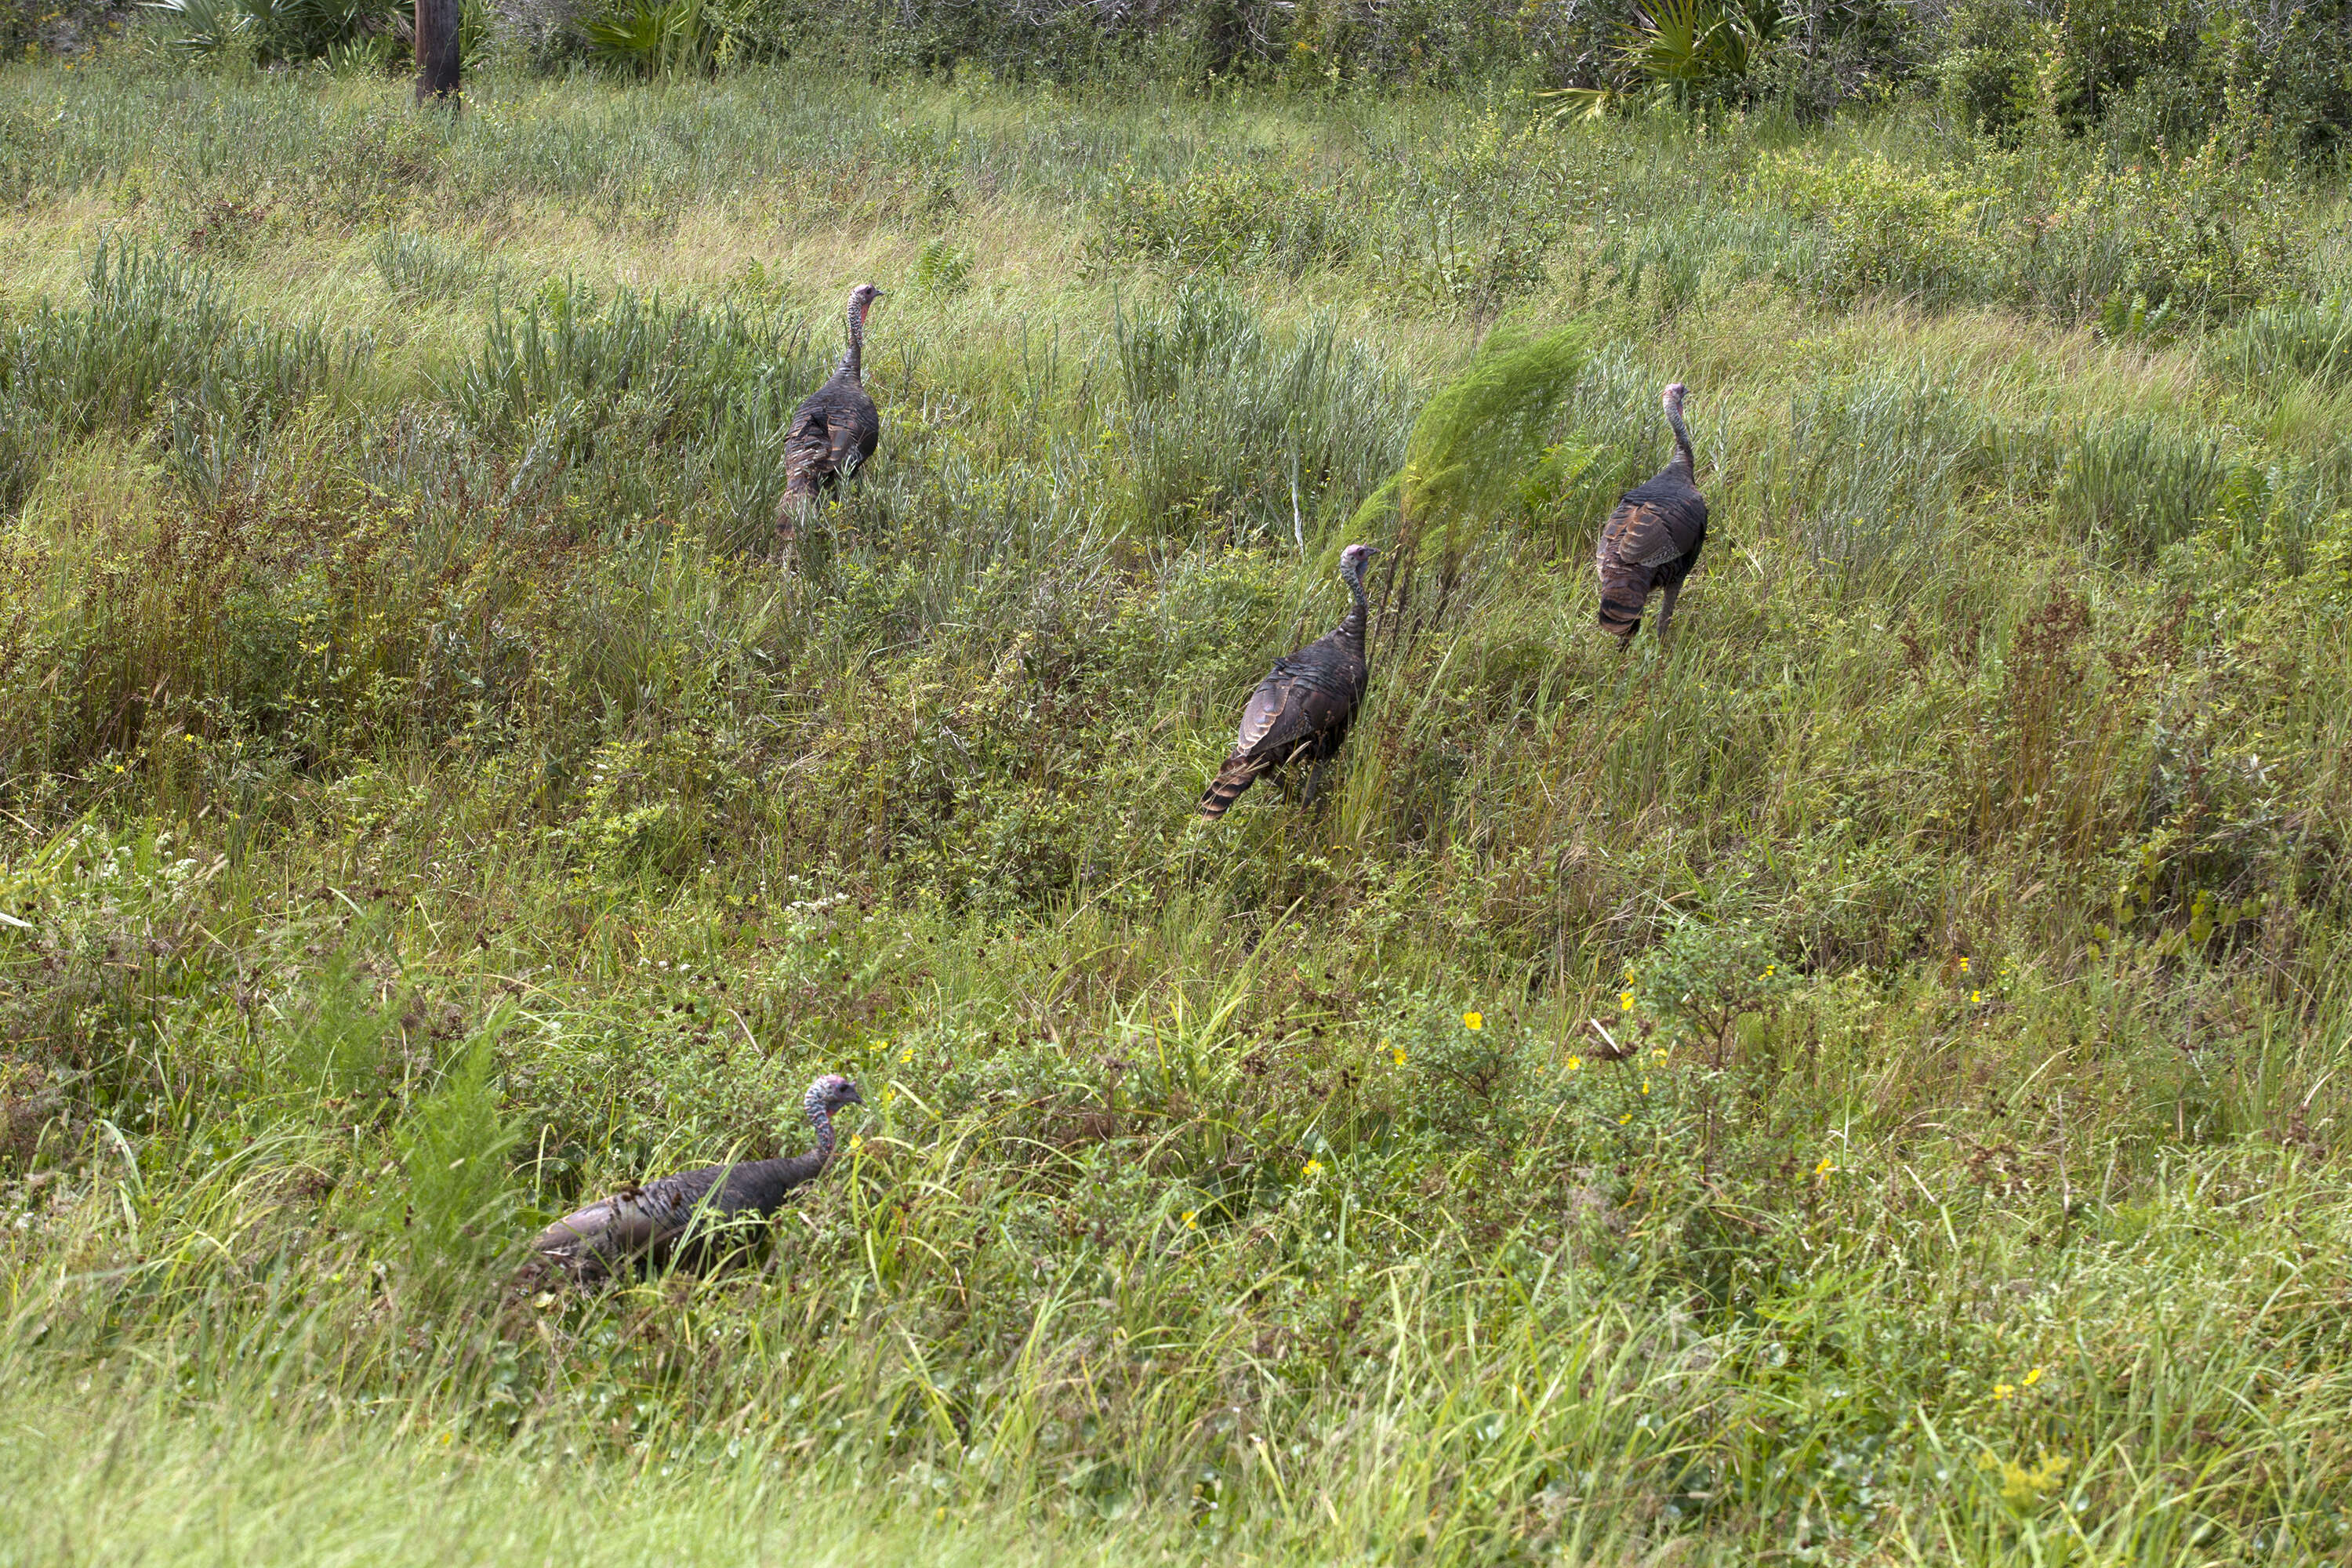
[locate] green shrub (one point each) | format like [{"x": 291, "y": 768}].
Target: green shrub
[
  {"x": 2206, "y": 233},
  {"x": 1883, "y": 227},
  {"x": 657, "y": 37},
  {"x": 1681, "y": 55},
  {"x": 450, "y": 1212},
  {"x": 274, "y": 31},
  {"x": 1708, "y": 975}
]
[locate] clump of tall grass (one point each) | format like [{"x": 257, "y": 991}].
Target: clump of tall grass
[
  {"x": 2136, "y": 486},
  {"x": 418, "y": 267},
  {"x": 1223, "y": 216},
  {"x": 2310, "y": 338},
  {"x": 157, "y": 334},
  {"x": 1267, "y": 431}
]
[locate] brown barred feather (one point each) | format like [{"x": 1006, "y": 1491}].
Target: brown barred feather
[
  {"x": 1653, "y": 538},
  {"x": 1235, "y": 777}
]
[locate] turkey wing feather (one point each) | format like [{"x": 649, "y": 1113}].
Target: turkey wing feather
[
  {"x": 808, "y": 451},
  {"x": 1644, "y": 532},
  {"x": 1292, "y": 707},
  {"x": 633, "y": 1224},
  {"x": 855, "y": 433}
]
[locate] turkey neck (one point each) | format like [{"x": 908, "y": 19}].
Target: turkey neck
[
  {"x": 854, "y": 362},
  {"x": 762, "y": 1184},
  {"x": 822, "y": 1119},
  {"x": 1351, "y": 629},
  {"x": 1682, "y": 441}
]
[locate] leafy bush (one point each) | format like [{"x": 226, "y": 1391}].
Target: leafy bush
[
  {"x": 657, "y": 37},
  {"x": 1708, "y": 977},
  {"x": 1474, "y": 217},
  {"x": 2204, "y": 233},
  {"x": 1681, "y": 55},
  {"x": 1885, "y": 229},
  {"x": 270, "y": 31}
]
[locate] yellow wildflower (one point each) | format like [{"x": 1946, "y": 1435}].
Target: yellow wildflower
[
  {"x": 1964, "y": 966},
  {"x": 1625, "y": 1000},
  {"x": 1312, "y": 1168},
  {"x": 1645, "y": 1086},
  {"x": 2033, "y": 1377},
  {"x": 1825, "y": 1167},
  {"x": 1474, "y": 1020},
  {"x": 1975, "y": 997},
  {"x": 2003, "y": 1390},
  {"x": 1192, "y": 1219},
  {"x": 1625, "y": 1118},
  {"x": 1575, "y": 1063},
  {"x": 1396, "y": 1054}
]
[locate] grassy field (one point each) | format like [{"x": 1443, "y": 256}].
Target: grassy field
[{"x": 428, "y": 801}]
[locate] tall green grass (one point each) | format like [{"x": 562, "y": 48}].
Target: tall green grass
[{"x": 1863, "y": 1084}]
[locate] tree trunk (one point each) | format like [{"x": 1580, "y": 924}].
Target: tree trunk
[{"x": 437, "y": 52}]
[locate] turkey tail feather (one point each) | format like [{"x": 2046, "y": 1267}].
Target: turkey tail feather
[
  {"x": 1623, "y": 592},
  {"x": 1237, "y": 775}
]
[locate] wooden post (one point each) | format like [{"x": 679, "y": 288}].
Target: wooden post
[{"x": 437, "y": 52}]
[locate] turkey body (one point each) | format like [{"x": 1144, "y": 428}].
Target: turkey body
[
  {"x": 837, "y": 427},
  {"x": 685, "y": 1219},
  {"x": 674, "y": 1220},
  {"x": 1653, "y": 539},
  {"x": 1301, "y": 711}
]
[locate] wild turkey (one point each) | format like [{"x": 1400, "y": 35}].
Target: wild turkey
[
  {"x": 1300, "y": 711},
  {"x": 835, "y": 428},
  {"x": 1653, "y": 538},
  {"x": 676, "y": 1217}
]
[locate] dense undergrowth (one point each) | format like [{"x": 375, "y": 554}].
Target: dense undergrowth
[{"x": 1863, "y": 1085}]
